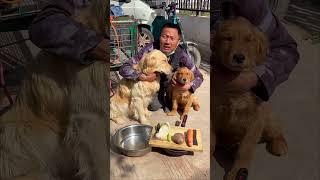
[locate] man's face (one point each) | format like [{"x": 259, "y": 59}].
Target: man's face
[{"x": 169, "y": 40}]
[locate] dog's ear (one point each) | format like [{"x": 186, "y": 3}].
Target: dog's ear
[
  {"x": 191, "y": 75},
  {"x": 174, "y": 76},
  {"x": 141, "y": 64},
  {"x": 262, "y": 46}
]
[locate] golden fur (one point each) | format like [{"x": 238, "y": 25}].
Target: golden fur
[
  {"x": 242, "y": 119},
  {"x": 132, "y": 98},
  {"x": 182, "y": 99},
  {"x": 56, "y": 129}
]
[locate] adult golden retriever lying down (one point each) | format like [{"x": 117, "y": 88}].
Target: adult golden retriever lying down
[
  {"x": 133, "y": 97},
  {"x": 56, "y": 130},
  {"x": 241, "y": 119},
  {"x": 182, "y": 99}
]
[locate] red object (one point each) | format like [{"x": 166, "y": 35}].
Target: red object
[{"x": 190, "y": 137}]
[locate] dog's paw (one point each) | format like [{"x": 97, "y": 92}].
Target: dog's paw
[
  {"x": 196, "y": 107},
  {"x": 172, "y": 113},
  {"x": 232, "y": 174},
  {"x": 119, "y": 121},
  {"x": 145, "y": 122},
  {"x": 277, "y": 147}
]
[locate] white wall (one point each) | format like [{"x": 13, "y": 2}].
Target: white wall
[{"x": 197, "y": 29}]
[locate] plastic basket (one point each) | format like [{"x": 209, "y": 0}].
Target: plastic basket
[{"x": 123, "y": 40}]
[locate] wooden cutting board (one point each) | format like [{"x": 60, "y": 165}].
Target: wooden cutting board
[{"x": 154, "y": 142}]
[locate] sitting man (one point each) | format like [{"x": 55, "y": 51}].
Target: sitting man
[{"x": 177, "y": 56}]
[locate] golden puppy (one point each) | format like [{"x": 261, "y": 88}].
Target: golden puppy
[
  {"x": 182, "y": 99},
  {"x": 132, "y": 98},
  {"x": 241, "y": 119}
]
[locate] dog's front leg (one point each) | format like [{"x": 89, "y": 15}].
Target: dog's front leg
[
  {"x": 86, "y": 138},
  {"x": 187, "y": 106},
  {"x": 174, "y": 110},
  {"x": 273, "y": 135},
  {"x": 137, "y": 104},
  {"x": 246, "y": 149}
]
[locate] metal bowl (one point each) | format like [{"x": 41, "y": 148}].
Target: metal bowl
[{"x": 133, "y": 140}]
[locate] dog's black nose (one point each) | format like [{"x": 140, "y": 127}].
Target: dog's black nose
[
  {"x": 238, "y": 58},
  {"x": 184, "y": 79}
]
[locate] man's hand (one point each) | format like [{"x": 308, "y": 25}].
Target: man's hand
[
  {"x": 101, "y": 51},
  {"x": 148, "y": 77},
  {"x": 240, "y": 82},
  {"x": 173, "y": 81},
  {"x": 185, "y": 87}
]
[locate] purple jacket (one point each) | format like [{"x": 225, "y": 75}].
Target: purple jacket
[
  {"x": 283, "y": 54},
  {"x": 179, "y": 59},
  {"x": 55, "y": 31}
]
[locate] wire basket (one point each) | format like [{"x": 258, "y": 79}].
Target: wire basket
[
  {"x": 24, "y": 8},
  {"x": 123, "y": 40}
]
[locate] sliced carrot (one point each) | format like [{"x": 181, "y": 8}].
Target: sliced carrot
[{"x": 190, "y": 137}]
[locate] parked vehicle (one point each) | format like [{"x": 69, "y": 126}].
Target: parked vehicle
[{"x": 144, "y": 14}]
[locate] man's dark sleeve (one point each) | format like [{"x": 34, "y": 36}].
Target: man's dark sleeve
[
  {"x": 283, "y": 54},
  {"x": 55, "y": 31},
  {"x": 187, "y": 62}
]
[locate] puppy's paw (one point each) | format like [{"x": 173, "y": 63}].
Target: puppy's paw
[
  {"x": 277, "y": 147},
  {"x": 172, "y": 113},
  {"x": 232, "y": 174},
  {"x": 196, "y": 107}
]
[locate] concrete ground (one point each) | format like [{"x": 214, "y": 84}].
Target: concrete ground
[{"x": 296, "y": 103}]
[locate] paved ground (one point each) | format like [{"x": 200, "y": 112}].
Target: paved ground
[{"x": 296, "y": 103}]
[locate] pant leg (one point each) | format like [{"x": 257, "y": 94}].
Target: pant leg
[{"x": 159, "y": 101}]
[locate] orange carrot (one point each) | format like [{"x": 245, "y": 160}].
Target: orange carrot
[{"x": 190, "y": 137}]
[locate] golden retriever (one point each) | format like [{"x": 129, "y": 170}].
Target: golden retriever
[
  {"x": 182, "y": 99},
  {"x": 132, "y": 98},
  {"x": 57, "y": 129},
  {"x": 241, "y": 119}
]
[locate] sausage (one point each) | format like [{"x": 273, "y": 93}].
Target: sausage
[
  {"x": 190, "y": 137},
  {"x": 195, "y": 142},
  {"x": 184, "y": 120}
]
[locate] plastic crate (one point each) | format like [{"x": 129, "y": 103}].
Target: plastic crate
[{"x": 123, "y": 40}]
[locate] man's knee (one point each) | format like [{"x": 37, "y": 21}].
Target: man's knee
[{"x": 154, "y": 105}]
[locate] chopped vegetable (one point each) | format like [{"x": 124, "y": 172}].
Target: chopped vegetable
[
  {"x": 169, "y": 137},
  {"x": 190, "y": 137},
  {"x": 178, "y": 138},
  {"x": 163, "y": 132}
]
